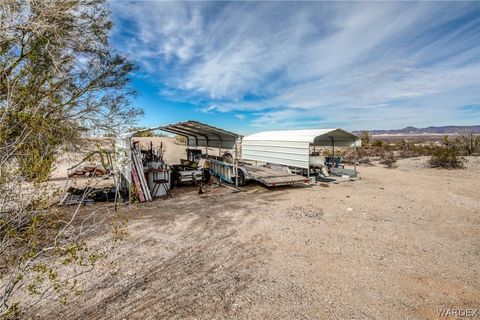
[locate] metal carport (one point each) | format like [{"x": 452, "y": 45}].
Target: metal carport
[
  {"x": 292, "y": 147},
  {"x": 198, "y": 135}
]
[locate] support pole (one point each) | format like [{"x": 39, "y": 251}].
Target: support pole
[
  {"x": 355, "y": 156},
  {"x": 308, "y": 169},
  {"x": 333, "y": 149},
  {"x": 235, "y": 163}
]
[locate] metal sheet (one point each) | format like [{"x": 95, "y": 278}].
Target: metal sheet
[
  {"x": 123, "y": 156},
  {"x": 319, "y": 137},
  {"x": 202, "y": 135},
  {"x": 223, "y": 170},
  {"x": 293, "y": 154},
  {"x": 198, "y": 134}
]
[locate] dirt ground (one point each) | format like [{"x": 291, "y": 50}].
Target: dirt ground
[{"x": 396, "y": 244}]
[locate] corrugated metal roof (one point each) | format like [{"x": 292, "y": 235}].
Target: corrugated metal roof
[
  {"x": 202, "y": 135},
  {"x": 308, "y": 135},
  {"x": 198, "y": 134}
]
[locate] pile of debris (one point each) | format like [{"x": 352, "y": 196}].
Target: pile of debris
[
  {"x": 88, "y": 171},
  {"x": 88, "y": 195}
]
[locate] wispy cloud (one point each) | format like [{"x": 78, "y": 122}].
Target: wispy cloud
[
  {"x": 316, "y": 63},
  {"x": 241, "y": 117}
]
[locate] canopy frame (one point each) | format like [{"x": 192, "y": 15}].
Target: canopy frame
[{"x": 197, "y": 134}]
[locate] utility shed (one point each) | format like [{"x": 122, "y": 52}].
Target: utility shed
[{"x": 292, "y": 147}]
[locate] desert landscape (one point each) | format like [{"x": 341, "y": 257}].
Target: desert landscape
[
  {"x": 397, "y": 243},
  {"x": 239, "y": 160}
]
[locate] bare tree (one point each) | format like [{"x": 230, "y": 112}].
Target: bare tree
[
  {"x": 468, "y": 141},
  {"x": 59, "y": 79}
]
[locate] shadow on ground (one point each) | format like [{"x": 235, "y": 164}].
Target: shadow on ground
[{"x": 188, "y": 259}]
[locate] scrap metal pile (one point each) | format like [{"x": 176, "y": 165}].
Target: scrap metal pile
[{"x": 88, "y": 195}]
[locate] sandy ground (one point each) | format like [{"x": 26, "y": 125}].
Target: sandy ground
[{"x": 396, "y": 244}]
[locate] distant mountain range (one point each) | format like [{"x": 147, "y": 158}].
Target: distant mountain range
[{"x": 428, "y": 130}]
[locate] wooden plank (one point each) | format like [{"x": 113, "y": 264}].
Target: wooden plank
[
  {"x": 138, "y": 185},
  {"x": 138, "y": 164}
]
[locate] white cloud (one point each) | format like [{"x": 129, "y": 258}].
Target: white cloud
[
  {"x": 241, "y": 117},
  {"x": 314, "y": 59}
]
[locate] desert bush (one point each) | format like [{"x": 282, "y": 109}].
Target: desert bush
[
  {"x": 181, "y": 139},
  {"x": 446, "y": 156},
  {"x": 348, "y": 156},
  {"x": 146, "y": 133},
  {"x": 389, "y": 160},
  {"x": 409, "y": 153},
  {"x": 377, "y": 143},
  {"x": 468, "y": 142},
  {"x": 407, "y": 149},
  {"x": 387, "y": 147},
  {"x": 402, "y": 144},
  {"x": 363, "y": 155},
  {"x": 365, "y": 137},
  {"x": 372, "y": 152}
]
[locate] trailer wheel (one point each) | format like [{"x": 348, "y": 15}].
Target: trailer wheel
[{"x": 241, "y": 178}]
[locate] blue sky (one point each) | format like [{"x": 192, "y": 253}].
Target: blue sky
[{"x": 253, "y": 66}]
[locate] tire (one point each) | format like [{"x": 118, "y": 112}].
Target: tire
[{"x": 241, "y": 178}]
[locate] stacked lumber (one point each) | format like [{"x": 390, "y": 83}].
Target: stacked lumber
[{"x": 138, "y": 176}]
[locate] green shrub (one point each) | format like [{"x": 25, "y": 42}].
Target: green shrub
[
  {"x": 142, "y": 134},
  {"x": 365, "y": 137},
  {"x": 389, "y": 160},
  {"x": 377, "y": 143},
  {"x": 446, "y": 157}
]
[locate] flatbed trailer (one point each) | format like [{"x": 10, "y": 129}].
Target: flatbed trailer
[
  {"x": 270, "y": 176},
  {"x": 273, "y": 176}
]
